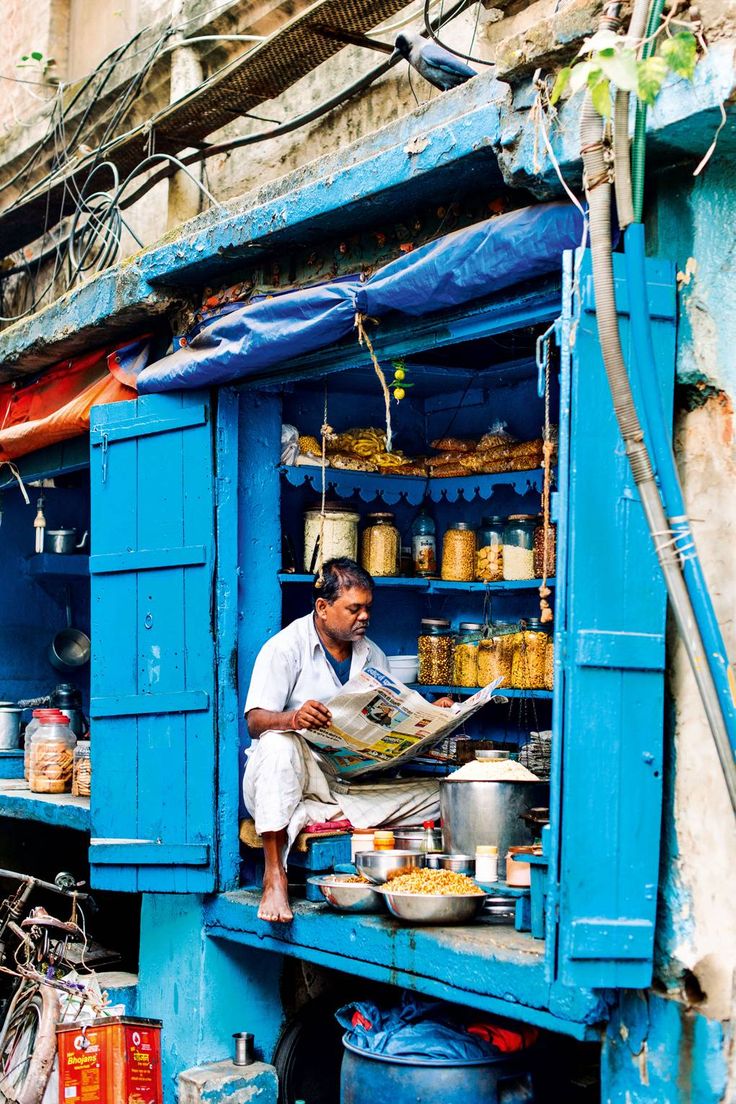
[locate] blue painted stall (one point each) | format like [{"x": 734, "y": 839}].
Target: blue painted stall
[{"x": 188, "y": 507}]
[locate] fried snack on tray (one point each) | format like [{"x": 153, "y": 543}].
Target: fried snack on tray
[
  {"x": 445, "y": 883},
  {"x": 454, "y": 444},
  {"x": 358, "y": 442},
  {"x": 309, "y": 445},
  {"x": 353, "y": 463}
]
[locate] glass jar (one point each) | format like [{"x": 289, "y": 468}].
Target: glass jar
[
  {"x": 52, "y": 755},
  {"x": 496, "y": 653},
  {"x": 340, "y": 535},
  {"x": 465, "y": 658},
  {"x": 383, "y": 841},
  {"x": 539, "y": 557},
  {"x": 549, "y": 664},
  {"x": 458, "y": 553},
  {"x": 435, "y": 647},
  {"x": 380, "y": 547},
  {"x": 424, "y": 545},
  {"x": 530, "y": 656},
  {"x": 489, "y": 554},
  {"x": 37, "y": 717},
  {"x": 82, "y": 770},
  {"x": 518, "y": 547}
]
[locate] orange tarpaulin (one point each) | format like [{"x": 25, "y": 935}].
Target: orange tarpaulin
[{"x": 56, "y": 407}]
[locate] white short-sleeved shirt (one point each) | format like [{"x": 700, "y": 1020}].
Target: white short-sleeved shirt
[{"x": 292, "y": 668}]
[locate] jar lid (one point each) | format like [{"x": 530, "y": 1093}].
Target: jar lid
[
  {"x": 460, "y": 525},
  {"x": 381, "y": 515},
  {"x": 493, "y": 519},
  {"x": 427, "y": 824},
  {"x": 470, "y": 626},
  {"x": 435, "y": 622},
  {"x": 332, "y": 508},
  {"x": 486, "y": 849},
  {"x": 523, "y": 517},
  {"x": 535, "y": 623}
]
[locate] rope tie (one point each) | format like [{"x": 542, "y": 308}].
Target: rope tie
[
  {"x": 364, "y": 339},
  {"x": 546, "y": 614}
]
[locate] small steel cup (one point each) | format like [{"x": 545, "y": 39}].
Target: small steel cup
[{"x": 243, "y": 1048}]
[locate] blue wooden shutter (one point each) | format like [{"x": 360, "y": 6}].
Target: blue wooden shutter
[
  {"x": 614, "y": 641},
  {"x": 153, "y": 663}
]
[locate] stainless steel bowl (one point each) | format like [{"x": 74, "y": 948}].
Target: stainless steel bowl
[
  {"x": 434, "y": 908},
  {"x": 461, "y": 864},
  {"x": 347, "y": 896},
  {"x": 411, "y": 839},
  {"x": 492, "y": 756},
  {"x": 381, "y": 866}
]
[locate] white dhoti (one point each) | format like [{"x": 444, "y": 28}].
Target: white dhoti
[{"x": 286, "y": 786}]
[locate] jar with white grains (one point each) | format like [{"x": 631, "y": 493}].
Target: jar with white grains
[
  {"x": 339, "y": 535},
  {"x": 518, "y": 547}
]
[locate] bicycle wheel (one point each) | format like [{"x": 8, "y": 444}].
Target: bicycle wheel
[{"x": 28, "y": 1043}]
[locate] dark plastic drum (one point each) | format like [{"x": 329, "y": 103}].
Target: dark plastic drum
[{"x": 371, "y": 1078}]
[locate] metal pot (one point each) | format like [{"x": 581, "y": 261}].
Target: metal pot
[
  {"x": 63, "y": 541},
  {"x": 476, "y": 813},
  {"x": 70, "y": 648},
  {"x": 9, "y": 727}
]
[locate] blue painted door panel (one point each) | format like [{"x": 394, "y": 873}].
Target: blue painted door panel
[
  {"x": 153, "y": 660},
  {"x": 614, "y": 652}
]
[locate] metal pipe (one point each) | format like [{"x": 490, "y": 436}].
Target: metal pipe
[
  {"x": 598, "y": 190},
  {"x": 621, "y": 151}
]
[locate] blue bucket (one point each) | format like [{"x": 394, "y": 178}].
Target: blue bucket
[{"x": 368, "y": 1078}]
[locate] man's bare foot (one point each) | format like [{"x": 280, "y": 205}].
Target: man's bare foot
[{"x": 274, "y": 905}]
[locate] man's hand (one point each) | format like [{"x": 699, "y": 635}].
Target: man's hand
[
  {"x": 444, "y": 703},
  {"x": 312, "y": 714}
]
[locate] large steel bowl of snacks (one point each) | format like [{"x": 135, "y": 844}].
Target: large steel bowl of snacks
[
  {"x": 434, "y": 908},
  {"x": 344, "y": 893},
  {"x": 382, "y": 866}
]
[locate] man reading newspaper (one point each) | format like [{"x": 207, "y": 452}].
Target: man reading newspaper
[{"x": 321, "y": 708}]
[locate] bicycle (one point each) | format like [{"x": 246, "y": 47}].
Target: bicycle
[{"x": 32, "y": 1004}]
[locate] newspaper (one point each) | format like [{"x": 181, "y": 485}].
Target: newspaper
[{"x": 378, "y": 722}]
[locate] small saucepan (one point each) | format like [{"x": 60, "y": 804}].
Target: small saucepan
[{"x": 70, "y": 648}]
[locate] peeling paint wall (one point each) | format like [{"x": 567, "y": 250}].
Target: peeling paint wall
[{"x": 694, "y": 219}]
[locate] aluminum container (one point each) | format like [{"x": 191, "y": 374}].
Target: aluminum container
[
  {"x": 476, "y": 813},
  {"x": 411, "y": 839},
  {"x": 460, "y": 864},
  {"x": 381, "y": 866},
  {"x": 9, "y": 727}
]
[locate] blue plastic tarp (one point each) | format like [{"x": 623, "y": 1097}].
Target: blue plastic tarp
[
  {"x": 453, "y": 270},
  {"x": 417, "y": 1029}
]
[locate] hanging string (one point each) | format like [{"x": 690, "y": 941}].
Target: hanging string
[
  {"x": 546, "y": 614},
  {"x": 364, "y": 339},
  {"x": 326, "y": 432},
  {"x": 16, "y": 474}
]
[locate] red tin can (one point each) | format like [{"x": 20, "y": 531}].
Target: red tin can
[{"x": 110, "y": 1061}]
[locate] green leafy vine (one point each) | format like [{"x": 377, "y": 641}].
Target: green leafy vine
[{"x": 607, "y": 58}]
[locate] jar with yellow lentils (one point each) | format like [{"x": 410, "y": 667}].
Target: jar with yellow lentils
[
  {"x": 529, "y": 668},
  {"x": 496, "y": 653},
  {"x": 458, "y": 553},
  {"x": 467, "y": 641}
]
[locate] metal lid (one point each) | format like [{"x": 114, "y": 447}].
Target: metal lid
[
  {"x": 492, "y": 519},
  {"x": 380, "y": 514},
  {"x": 461, "y": 525},
  {"x": 523, "y": 517},
  {"x": 435, "y": 622},
  {"x": 470, "y": 626}
]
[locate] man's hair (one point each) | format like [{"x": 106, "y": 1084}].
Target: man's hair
[{"x": 338, "y": 575}]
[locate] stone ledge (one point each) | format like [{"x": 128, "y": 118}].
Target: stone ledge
[{"x": 221, "y": 1082}]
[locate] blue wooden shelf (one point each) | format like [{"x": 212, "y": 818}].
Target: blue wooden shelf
[
  {"x": 466, "y": 691},
  {"x": 49, "y": 565},
  {"x": 415, "y": 489},
  {"x": 492, "y": 965},
  {"x": 62, "y": 810},
  {"x": 433, "y": 586}
]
